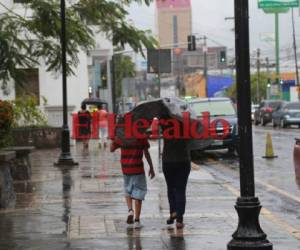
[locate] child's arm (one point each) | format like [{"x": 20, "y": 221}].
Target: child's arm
[
  {"x": 149, "y": 160},
  {"x": 114, "y": 146}
]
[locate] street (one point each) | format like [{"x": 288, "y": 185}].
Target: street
[{"x": 83, "y": 207}]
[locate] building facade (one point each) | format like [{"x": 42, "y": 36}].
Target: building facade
[
  {"x": 174, "y": 22},
  {"x": 48, "y": 85}
]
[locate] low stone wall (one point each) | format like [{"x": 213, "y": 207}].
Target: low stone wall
[
  {"x": 7, "y": 193},
  {"x": 40, "y": 138}
]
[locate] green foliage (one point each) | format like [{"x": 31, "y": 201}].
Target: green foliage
[
  {"x": 27, "y": 113},
  {"x": 124, "y": 67},
  {"x": 263, "y": 82},
  {"x": 6, "y": 120},
  {"x": 24, "y": 41}
]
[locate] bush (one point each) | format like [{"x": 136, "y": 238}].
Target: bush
[
  {"x": 27, "y": 113},
  {"x": 6, "y": 121}
]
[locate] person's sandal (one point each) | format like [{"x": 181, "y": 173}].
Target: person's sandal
[
  {"x": 171, "y": 220},
  {"x": 179, "y": 223}
]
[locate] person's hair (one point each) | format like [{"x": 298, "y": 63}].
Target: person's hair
[
  {"x": 101, "y": 106},
  {"x": 83, "y": 106}
]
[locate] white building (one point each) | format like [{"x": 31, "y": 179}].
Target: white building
[{"x": 49, "y": 85}]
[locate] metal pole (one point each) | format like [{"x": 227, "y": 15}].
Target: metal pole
[
  {"x": 277, "y": 51},
  {"x": 295, "y": 52},
  {"x": 269, "y": 77},
  {"x": 65, "y": 157},
  {"x": 113, "y": 84},
  {"x": 205, "y": 64},
  {"x": 249, "y": 234},
  {"x": 258, "y": 76},
  {"x": 158, "y": 75}
]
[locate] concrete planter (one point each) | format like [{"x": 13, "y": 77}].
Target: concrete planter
[{"x": 40, "y": 138}]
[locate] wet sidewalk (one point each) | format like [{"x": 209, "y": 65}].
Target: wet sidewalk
[{"x": 83, "y": 208}]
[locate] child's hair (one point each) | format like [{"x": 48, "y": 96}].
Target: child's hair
[{"x": 83, "y": 106}]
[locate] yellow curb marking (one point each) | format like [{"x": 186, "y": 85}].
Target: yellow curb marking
[
  {"x": 278, "y": 190},
  {"x": 267, "y": 214}
]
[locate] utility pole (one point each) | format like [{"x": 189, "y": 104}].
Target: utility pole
[
  {"x": 258, "y": 76},
  {"x": 295, "y": 52},
  {"x": 277, "y": 50}
]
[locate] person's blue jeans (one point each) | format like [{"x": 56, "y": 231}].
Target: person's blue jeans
[{"x": 176, "y": 175}]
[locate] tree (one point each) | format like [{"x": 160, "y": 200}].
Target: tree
[
  {"x": 124, "y": 67},
  {"x": 263, "y": 82},
  {"x": 26, "y": 40}
]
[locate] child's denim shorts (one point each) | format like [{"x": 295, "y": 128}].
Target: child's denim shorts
[{"x": 135, "y": 186}]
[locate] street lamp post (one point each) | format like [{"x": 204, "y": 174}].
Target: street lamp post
[
  {"x": 65, "y": 156},
  {"x": 249, "y": 234}
]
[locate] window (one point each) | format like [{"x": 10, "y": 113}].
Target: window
[
  {"x": 175, "y": 31},
  {"x": 29, "y": 85},
  {"x": 215, "y": 108}
]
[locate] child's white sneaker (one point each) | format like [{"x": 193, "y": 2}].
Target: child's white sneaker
[{"x": 137, "y": 224}]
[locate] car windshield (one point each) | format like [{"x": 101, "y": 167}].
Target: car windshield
[
  {"x": 216, "y": 108},
  {"x": 293, "y": 106}
]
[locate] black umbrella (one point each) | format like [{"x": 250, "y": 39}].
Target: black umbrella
[
  {"x": 94, "y": 101},
  {"x": 164, "y": 108}
]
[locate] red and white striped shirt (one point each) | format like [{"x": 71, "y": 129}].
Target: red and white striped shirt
[{"x": 132, "y": 156}]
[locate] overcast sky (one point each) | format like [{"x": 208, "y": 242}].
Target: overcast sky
[{"x": 208, "y": 19}]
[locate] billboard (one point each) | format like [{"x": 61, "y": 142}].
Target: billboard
[
  {"x": 159, "y": 61},
  {"x": 272, "y": 4}
]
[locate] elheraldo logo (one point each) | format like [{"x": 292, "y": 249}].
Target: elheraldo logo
[{"x": 173, "y": 128}]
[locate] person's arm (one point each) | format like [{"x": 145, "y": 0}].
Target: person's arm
[
  {"x": 114, "y": 146},
  {"x": 149, "y": 160}
]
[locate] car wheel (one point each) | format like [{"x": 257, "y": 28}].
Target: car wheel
[
  {"x": 256, "y": 122},
  {"x": 282, "y": 124},
  {"x": 299, "y": 126},
  {"x": 233, "y": 149},
  {"x": 197, "y": 154},
  {"x": 274, "y": 123},
  {"x": 262, "y": 121}
]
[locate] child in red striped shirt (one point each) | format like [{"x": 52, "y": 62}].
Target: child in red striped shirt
[{"x": 135, "y": 185}]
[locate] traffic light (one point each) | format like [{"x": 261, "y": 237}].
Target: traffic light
[
  {"x": 191, "y": 43},
  {"x": 222, "y": 56}
]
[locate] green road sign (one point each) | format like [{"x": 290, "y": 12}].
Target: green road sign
[
  {"x": 273, "y": 4},
  {"x": 276, "y": 10}
]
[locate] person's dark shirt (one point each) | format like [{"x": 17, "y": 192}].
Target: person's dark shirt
[{"x": 176, "y": 150}]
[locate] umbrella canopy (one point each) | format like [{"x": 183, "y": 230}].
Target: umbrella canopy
[
  {"x": 164, "y": 108},
  {"x": 94, "y": 101}
]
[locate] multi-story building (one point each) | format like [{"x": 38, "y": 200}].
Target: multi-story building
[
  {"x": 174, "y": 22},
  {"x": 91, "y": 75}
]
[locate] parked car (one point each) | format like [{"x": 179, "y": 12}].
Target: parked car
[
  {"x": 253, "y": 108},
  {"x": 219, "y": 108},
  {"x": 287, "y": 114},
  {"x": 263, "y": 115}
]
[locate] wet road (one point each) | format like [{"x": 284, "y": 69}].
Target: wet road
[
  {"x": 83, "y": 207},
  {"x": 276, "y": 185}
]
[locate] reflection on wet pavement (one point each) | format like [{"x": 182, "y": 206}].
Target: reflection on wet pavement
[{"x": 83, "y": 208}]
